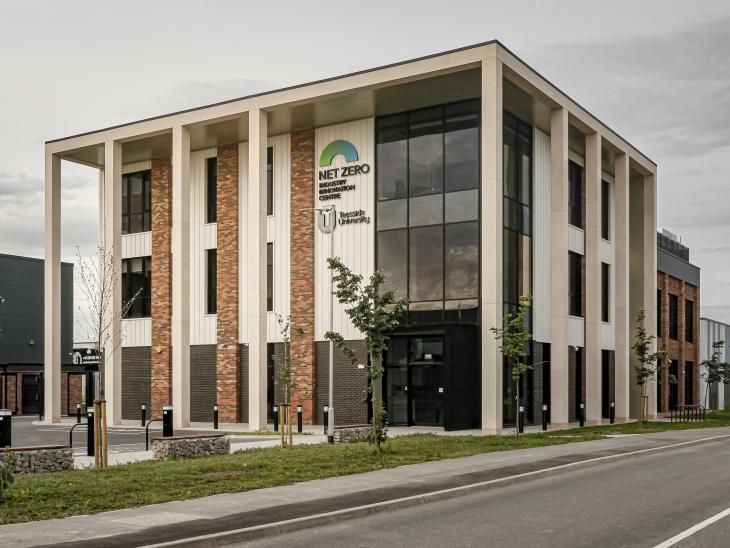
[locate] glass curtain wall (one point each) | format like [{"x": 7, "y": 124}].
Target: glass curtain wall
[
  {"x": 428, "y": 211},
  {"x": 517, "y": 246}
]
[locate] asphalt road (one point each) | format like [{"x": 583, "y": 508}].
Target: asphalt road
[{"x": 640, "y": 502}]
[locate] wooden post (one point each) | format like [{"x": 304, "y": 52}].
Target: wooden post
[
  {"x": 96, "y": 434},
  {"x": 290, "y": 421},
  {"x": 282, "y": 423},
  {"x": 104, "y": 453}
]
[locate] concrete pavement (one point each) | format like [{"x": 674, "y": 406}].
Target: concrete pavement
[{"x": 185, "y": 519}]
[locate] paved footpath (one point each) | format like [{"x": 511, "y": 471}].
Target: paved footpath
[{"x": 210, "y": 515}]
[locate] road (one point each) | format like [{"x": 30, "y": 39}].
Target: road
[{"x": 644, "y": 501}]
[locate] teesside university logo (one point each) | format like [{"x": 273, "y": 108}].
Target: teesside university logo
[{"x": 333, "y": 181}]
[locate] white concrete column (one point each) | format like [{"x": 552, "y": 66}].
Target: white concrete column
[
  {"x": 559, "y": 363},
  {"x": 181, "y": 276},
  {"x": 491, "y": 256},
  {"x": 256, "y": 265},
  {"x": 650, "y": 276},
  {"x": 52, "y": 291},
  {"x": 593, "y": 279},
  {"x": 622, "y": 314},
  {"x": 112, "y": 340}
]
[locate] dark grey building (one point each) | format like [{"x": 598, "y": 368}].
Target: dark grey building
[{"x": 21, "y": 342}]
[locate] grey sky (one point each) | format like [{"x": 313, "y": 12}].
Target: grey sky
[{"x": 658, "y": 72}]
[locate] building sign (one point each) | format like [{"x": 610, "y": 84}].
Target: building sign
[
  {"x": 86, "y": 356},
  {"x": 333, "y": 181},
  {"x": 353, "y": 217}
]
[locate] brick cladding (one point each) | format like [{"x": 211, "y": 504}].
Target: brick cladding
[
  {"x": 350, "y": 384},
  {"x": 136, "y": 382},
  {"x": 302, "y": 273},
  {"x": 202, "y": 382},
  {"x": 161, "y": 290},
  {"x": 70, "y": 392},
  {"x": 13, "y": 396},
  {"x": 228, "y": 368},
  {"x": 679, "y": 350},
  {"x": 243, "y": 385}
]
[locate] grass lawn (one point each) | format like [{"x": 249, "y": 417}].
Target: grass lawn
[{"x": 45, "y": 496}]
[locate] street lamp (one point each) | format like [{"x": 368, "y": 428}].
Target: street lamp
[{"x": 327, "y": 221}]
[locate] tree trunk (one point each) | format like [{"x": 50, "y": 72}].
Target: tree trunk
[
  {"x": 377, "y": 387},
  {"x": 517, "y": 408}
]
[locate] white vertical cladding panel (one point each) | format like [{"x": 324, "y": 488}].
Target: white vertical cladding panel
[
  {"x": 136, "y": 245},
  {"x": 576, "y": 331},
  {"x": 137, "y": 332},
  {"x": 541, "y": 237},
  {"x": 278, "y": 233},
  {"x": 210, "y": 236},
  {"x": 242, "y": 241},
  {"x": 136, "y": 166},
  {"x": 202, "y": 325},
  {"x": 354, "y": 243},
  {"x": 576, "y": 240}
]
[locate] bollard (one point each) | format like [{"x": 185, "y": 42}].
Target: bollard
[
  {"x": 89, "y": 431},
  {"x": 167, "y": 421},
  {"x": 612, "y": 412},
  {"x": 276, "y": 418},
  {"x": 6, "y": 428},
  {"x": 326, "y": 419},
  {"x": 215, "y": 417},
  {"x": 521, "y": 420},
  {"x": 582, "y": 415},
  {"x": 299, "y": 419},
  {"x": 144, "y": 415},
  {"x": 78, "y": 413},
  {"x": 544, "y": 417}
]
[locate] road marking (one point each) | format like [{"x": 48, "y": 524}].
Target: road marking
[{"x": 692, "y": 530}]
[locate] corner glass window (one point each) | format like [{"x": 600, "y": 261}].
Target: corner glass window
[
  {"x": 462, "y": 260},
  {"x": 392, "y": 151},
  {"x": 425, "y": 263},
  {"x": 136, "y": 202},
  {"x": 461, "y": 206},
  {"x": 426, "y": 210},
  {"x": 136, "y": 286},
  {"x": 392, "y": 214},
  {"x": 426, "y": 152},
  {"x": 461, "y": 147}
]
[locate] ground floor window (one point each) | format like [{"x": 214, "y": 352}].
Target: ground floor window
[{"x": 137, "y": 285}]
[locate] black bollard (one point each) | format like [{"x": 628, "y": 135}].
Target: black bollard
[
  {"x": 521, "y": 420},
  {"x": 6, "y": 428},
  {"x": 78, "y": 413},
  {"x": 89, "y": 431},
  {"x": 544, "y": 417},
  {"x": 582, "y": 415},
  {"x": 612, "y": 412},
  {"x": 167, "y": 421},
  {"x": 276, "y": 418},
  {"x": 144, "y": 415},
  {"x": 326, "y": 418},
  {"x": 215, "y": 417},
  {"x": 299, "y": 419}
]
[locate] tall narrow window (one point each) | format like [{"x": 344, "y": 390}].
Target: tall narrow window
[
  {"x": 689, "y": 323},
  {"x": 576, "y": 285},
  {"x": 658, "y": 312},
  {"x": 270, "y": 181},
  {"x": 575, "y": 194},
  {"x": 211, "y": 189},
  {"x": 605, "y": 210},
  {"x": 211, "y": 281},
  {"x": 136, "y": 202},
  {"x": 605, "y": 292},
  {"x": 673, "y": 317},
  {"x": 269, "y": 277},
  {"x": 136, "y": 284}
]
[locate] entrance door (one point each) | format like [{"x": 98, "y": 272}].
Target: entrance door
[{"x": 31, "y": 395}]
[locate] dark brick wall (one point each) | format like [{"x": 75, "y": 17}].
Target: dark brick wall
[
  {"x": 202, "y": 382},
  {"x": 539, "y": 355},
  {"x": 278, "y": 358},
  {"x": 136, "y": 381},
  {"x": 350, "y": 384},
  {"x": 243, "y": 387}
]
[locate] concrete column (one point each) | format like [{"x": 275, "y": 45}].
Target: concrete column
[
  {"x": 649, "y": 271},
  {"x": 594, "y": 288},
  {"x": 491, "y": 256},
  {"x": 559, "y": 359},
  {"x": 52, "y": 292},
  {"x": 622, "y": 319},
  {"x": 256, "y": 264},
  {"x": 113, "y": 310},
  {"x": 181, "y": 276}
]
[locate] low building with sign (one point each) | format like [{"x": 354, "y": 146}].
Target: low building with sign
[{"x": 466, "y": 177}]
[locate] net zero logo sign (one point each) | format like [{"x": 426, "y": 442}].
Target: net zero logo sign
[{"x": 333, "y": 181}]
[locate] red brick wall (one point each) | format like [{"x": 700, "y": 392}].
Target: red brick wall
[
  {"x": 161, "y": 291},
  {"x": 302, "y": 272},
  {"x": 10, "y": 397},
  {"x": 228, "y": 368}
]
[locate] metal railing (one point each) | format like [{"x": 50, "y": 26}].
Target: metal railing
[{"x": 688, "y": 413}]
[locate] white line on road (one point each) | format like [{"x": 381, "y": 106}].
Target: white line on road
[{"x": 692, "y": 530}]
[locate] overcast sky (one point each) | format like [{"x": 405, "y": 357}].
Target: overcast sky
[{"x": 658, "y": 72}]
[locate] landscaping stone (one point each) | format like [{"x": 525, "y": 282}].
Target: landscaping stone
[
  {"x": 352, "y": 433},
  {"x": 186, "y": 447},
  {"x": 32, "y": 460}
]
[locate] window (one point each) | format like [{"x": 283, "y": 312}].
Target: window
[
  {"x": 269, "y": 277},
  {"x": 605, "y": 210},
  {"x": 576, "y": 285},
  {"x": 689, "y": 332},
  {"x": 136, "y": 284},
  {"x": 136, "y": 202},
  {"x": 575, "y": 194},
  {"x": 427, "y": 176},
  {"x": 270, "y": 181},
  {"x": 211, "y": 281},
  {"x": 605, "y": 292},
  {"x": 211, "y": 189},
  {"x": 673, "y": 317},
  {"x": 658, "y": 312}
]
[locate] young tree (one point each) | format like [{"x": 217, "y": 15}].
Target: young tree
[
  {"x": 283, "y": 378},
  {"x": 375, "y": 314},
  {"x": 648, "y": 363},
  {"x": 715, "y": 370},
  {"x": 515, "y": 340}
]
